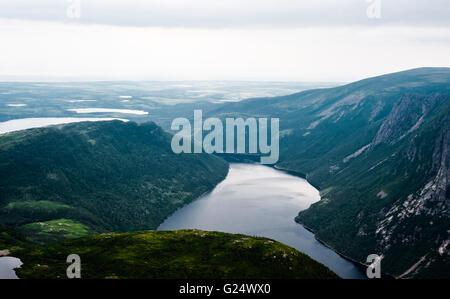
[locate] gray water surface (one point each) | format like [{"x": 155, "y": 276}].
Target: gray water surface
[
  {"x": 260, "y": 201},
  {"x": 7, "y": 266}
]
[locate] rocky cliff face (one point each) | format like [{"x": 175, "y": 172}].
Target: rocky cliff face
[
  {"x": 408, "y": 114},
  {"x": 422, "y": 217}
]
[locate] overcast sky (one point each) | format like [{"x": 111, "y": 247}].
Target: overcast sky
[{"x": 278, "y": 40}]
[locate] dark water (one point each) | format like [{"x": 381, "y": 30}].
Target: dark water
[
  {"x": 261, "y": 201},
  {"x": 7, "y": 265}
]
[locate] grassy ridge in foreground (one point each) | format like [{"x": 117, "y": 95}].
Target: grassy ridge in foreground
[{"x": 171, "y": 254}]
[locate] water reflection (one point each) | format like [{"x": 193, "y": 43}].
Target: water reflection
[{"x": 261, "y": 201}]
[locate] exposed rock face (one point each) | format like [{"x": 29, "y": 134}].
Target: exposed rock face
[
  {"x": 411, "y": 231},
  {"x": 424, "y": 211},
  {"x": 406, "y": 116}
]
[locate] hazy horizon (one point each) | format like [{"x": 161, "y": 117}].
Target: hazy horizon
[{"x": 265, "y": 40}]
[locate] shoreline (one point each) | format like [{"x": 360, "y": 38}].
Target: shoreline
[
  {"x": 196, "y": 198},
  {"x": 361, "y": 266},
  {"x": 235, "y": 158},
  {"x": 358, "y": 264}
]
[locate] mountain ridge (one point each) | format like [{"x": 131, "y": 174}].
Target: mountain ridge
[{"x": 105, "y": 176}]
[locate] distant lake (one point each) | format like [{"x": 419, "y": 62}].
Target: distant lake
[
  {"x": 261, "y": 201},
  {"x": 108, "y": 110},
  {"x": 37, "y": 122},
  {"x": 16, "y": 105},
  {"x": 7, "y": 266}
]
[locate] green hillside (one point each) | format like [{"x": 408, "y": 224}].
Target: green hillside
[
  {"x": 77, "y": 179},
  {"x": 171, "y": 254},
  {"x": 378, "y": 151}
]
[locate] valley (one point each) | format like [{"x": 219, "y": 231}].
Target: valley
[
  {"x": 377, "y": 149},
  {"x": 56, "y": 206}
]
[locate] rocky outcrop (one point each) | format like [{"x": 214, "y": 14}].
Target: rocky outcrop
[{"x": 408, "y": 115}]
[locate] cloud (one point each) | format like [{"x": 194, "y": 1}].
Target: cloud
[
  {"x": 102, "y": 52},
  {"x": 221, "y": 39},
  {"x": 233, "y": 13}
]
